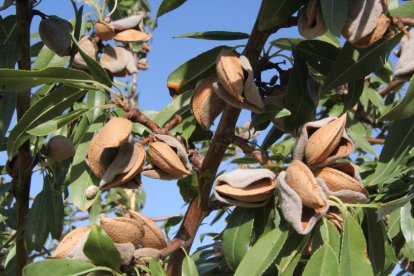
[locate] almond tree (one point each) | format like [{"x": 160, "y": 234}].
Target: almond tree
[{"x": 312, "y": 193}]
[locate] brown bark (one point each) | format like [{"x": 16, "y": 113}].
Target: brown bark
[{"x": 22, "y": 180}]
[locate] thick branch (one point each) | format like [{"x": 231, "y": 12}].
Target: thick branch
[
  {"x": 199, "y": 206},
  {"x": 22, "y": 182}
]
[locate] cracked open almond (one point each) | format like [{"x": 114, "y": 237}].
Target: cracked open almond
[
  {"x": 119, "y": 61},
  {"x": 69, "y": 243},
  {"x": 205, "y": 104},
  {"x": 379, "y": 31},
  {"x": 132, "y": 35},
  {"x": 323, "y": 142},
  {"x": 104, "y": 30},
  {"x": 230, "y": 73},
  {"x": 89, "y": 47},
  {"x": 123, "y": 230},
  {"x": 255, "y": 192},
  {"x": 310, "y": 20},
  {"x": 165, "y": 158},
  {"x": 104, "y": 145},
  {"x": 300, "y": 178},
  {"x": 153, "y": 237}
]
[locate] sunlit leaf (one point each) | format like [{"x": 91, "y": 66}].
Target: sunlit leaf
[
  {"x": 407, "y": 223},
  {"x": 334, "y": 13},
  {"x": 323, "y": 261},
  {"x": 188, "y": 267},
  {"x": 215, "y": 35},
  {"x": 60, "y": 267},
  {"x": 169, "y": 5},
  {"x": 403, "y": 109}
]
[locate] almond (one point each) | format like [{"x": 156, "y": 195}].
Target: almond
[
  {"x": 230, "y": 73},
  {"x": 123, "y": 230},
  {"x": 153, "y": 237},
  {"x": 68, "y": 244},
  {"x": 103, "y": 30}
]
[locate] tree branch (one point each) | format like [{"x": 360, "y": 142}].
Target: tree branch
[
  {"x": 22, "y": 182},
  {"x": 199, "y": 206},
  {"x": 390, "y": 87}
]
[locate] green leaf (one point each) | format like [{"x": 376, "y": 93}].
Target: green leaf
[
  {"x": 375, "y": 240},
  {"x": 188, "y": 186},
  {"x": 155, "y": 267},
  {"x": 236, "y": 236},
  {"x": 319, "y": 54},
  {"x": 80, "y": 177},
  {"x": 354, "y": 64},
  {"x": 56, "y": 123},
  {"x": 188, "y": 267},
  {"x": 291, "y": 253},
  {"x": 53, "y": 207},
  {"x": 18, "y": 80},
  {"x": 97, "y": 72},
  {"x": 403, "y": 109},
  {"x": 6, "y": 4},
  {"x": 263, "y": 252},
  {"x": 323, "y": 262},
  {"x": 332, "y": 236},
  {"x": 355, "y": 89},
  {"x": 399, "y": 141},
  {"x": 406, "y": 10},
  {"x": 60, "y": 267},
  {"x": 272, "y": 112},
  {"x": 407, "y": 223},
  {"x": 10, "y": 53},
  {"x": 300, "y": 100},
  {"x": 48, "y": 58},
  {"x": 361, "y": 141},
  {"x": 273, "y": 13},
  {"x": 389, "y": 207},
  {"x": 100, "y": 249},
  {"x": 93, "y": 100},
  {"x": 45, "y": 109},
  {"x": 188, "y": 74},
  {"x": 169, "y": 5},
  {"x": 286, "y": 43},
  {"x": 215, "y": 35},
  {"x": 36, "y": 230},
  {"x": 178, "y": 106},
  {"x": 334, "y": 13},
  {"x": 353, "y": 251}
]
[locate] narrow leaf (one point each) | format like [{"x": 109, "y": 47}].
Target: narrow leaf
[
  {"x": 188, "y": 74},
  {"x": 334, "y": 13},
  {"x": 406, "y": 10},
  {"x": 236, "y": 236},
  {"x": 188, "y": 267},
  {"x": 263, "y": 252},
  {"x": 156, "y": 268},
  {"x": 100, "y": 249},
  {"x": 53, "y": 206},
  {"x": 319, "y": 54},
  {"x": 271, "y": 113},
  {"x": 48, "y": 58},
  {"x": 403, "y": 109},
  {"x": 60, "y": 267},
  {"x": 355, "y": 89},
  {"x": 36, "y": 230},
  {"x": 273, "y": 13},
  {"x": 169, "y": 5},
  {"x": 389, "y": 207},
  {"x": 353, "y": 260},
  {"x": 375, "y": 240},
  {"x": 407, "y": 223},
  {"x": 323, "y": 262},
  {"x": 286, "y": 43},
  {"x": 215, "y": 35},
  {"x": 354, "y": 64},
  {"x": 179, "y": 105}
]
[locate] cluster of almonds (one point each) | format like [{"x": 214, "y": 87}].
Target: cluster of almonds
[
  {"x": 366, "y": 21},
  {"x": 233, "y": 84},
  {"x": 315, "y": 172},
  {"x": 135, "y": 237},
  {"x": 55, "y": 33},
  {"x": 118, "y": 162}
]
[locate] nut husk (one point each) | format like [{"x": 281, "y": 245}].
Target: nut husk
[
  {"x": 104, "y": 145},
  {"x": 123, "y": 230},
  {"x": 119, "y": 61},
  {"x": 127, "y": 171},
  {"x": 165, "y": 158},
  {"x": 245, "y": 187},
  {"x": 404, "y": 67},
  {"x": 205, "y": 104},
  {"x": 66, "y": 247},
  {"x": 55, "y": 33},
  {"x": 300, "y": 178},
  {"x": 302, "y": 218},
  {"x": 153, "y": 237},
  {"x": 323, "y": 142},
  {"x": 310, "y": 20},
  {"x": 104, "y": 30},
  {"x": 60, "y": 148},
  {"x": 230, "y": 73},
  {"x": 379, "y": 31},
  {"x": 89, "y": 47},
  {"x": 131, "y": 22},
  {"x": 156, "y": 173},
  {"x": 363, "y": 17}
]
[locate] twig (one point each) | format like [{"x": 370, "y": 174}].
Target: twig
[
  {"x": 242, "y": 143},
  {"x": 175, "y": 121},
  {"x": 391, "y": 86},
  {"x": 379, "y": 141},
  {"x": 135, "y": 115}
]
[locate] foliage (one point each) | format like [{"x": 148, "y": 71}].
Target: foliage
[{"x": 321, "y": 77}]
